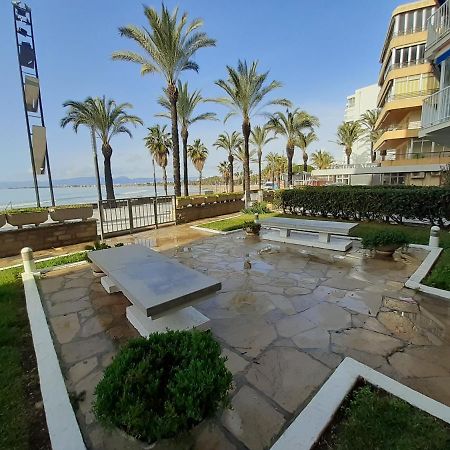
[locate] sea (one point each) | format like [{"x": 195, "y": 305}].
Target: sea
[{"x": 67, "y": 195}]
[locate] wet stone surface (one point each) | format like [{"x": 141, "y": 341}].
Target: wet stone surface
[{"x": 284, "y": 325}]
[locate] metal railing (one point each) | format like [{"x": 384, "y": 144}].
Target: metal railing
[
  {"x": 415, "y": 125},
  {"x": 133, "y": 214},
  {"x": 438, "y": 25},
  {"x": 436, "y": 108}
]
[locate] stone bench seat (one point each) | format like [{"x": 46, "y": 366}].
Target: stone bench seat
[
  {"x": 160, "y": 289},
  {"x": 311, "y": 233}
]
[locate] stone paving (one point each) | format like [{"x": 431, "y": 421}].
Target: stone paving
[{"x": 284, "y": 325}]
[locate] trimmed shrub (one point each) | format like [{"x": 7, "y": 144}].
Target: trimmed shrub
[
  {"x": 378, "y": 203},
  {"x": 164, "y": 385},
  {"x": 385, "y": 238},
  {"x": 257, "y": 208},
  {"x": 251, "y": 226}
]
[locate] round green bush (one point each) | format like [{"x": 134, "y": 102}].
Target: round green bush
[
  {"x": 164, "y": 385},
  {"x": 385, "y": 238}
]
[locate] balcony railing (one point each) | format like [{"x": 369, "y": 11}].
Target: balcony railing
[
  {"x": 415, "y": 125},
  {"x": 413, "y": 155},
  {"x": 436, "y": 108},
  {"x": 438, "y": 25}
]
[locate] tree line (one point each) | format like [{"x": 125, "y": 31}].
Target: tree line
[{"x": 167, "y": 45}]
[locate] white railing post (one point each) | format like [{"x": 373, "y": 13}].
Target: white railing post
[{"x": 29, "y": 265}]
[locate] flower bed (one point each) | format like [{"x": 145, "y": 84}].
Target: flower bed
[
  {"x": 71, "y": 212},
  {"x": 372, "y": 418},
  {"x": 26, "y": 216}
]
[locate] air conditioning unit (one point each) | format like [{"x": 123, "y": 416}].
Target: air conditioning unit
[{"x": 418, "y": 175}]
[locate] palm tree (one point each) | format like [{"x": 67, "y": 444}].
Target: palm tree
[
  {"x": 106, "y": 119},
  {"x": 186, "y": 105},
  {"x": 239, "y": 154},
  {"x": 260, "y": 138},
  {"x": 271, "y": 165},
  {"x": 198, "y": 154},
  {"x": 281, "y": 163},
  {"x": 224, "y": 170},
  {"x": 348, "y": 133},
  {"x": 169, "y": 43},
  {"x": 246, "y": 89},
  {"x": 303, "y": 141},
  {"x": 368, "y": 121},
  {"x": 230, "y": 143},
  {"x": 322, "y": 159},
  {"x": 290, "y": 125},
  {"x": 158, "y": 143}
]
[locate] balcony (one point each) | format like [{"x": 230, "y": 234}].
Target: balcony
[
  {"x": 417, "y": 159},
  {"x": 395, "y": 134},
  {"x": 438, "y": 31},
  {"x": 436, "y": 117}
]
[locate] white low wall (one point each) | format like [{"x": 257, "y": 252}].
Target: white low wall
[
  {"x": 415, "y": 281},
  {"x": 309, "y": 425},
  {"x": 61, "y": 421}
]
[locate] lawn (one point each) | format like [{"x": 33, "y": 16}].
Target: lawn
[
  {"x": 22, "y": 425},
  {"x": 439, "y": 277},
  {"x": 373, "y": 419},
  {"x": 233, "y": 223}
]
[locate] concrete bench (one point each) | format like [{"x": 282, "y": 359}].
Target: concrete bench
[
  {"x": 311, "y": 233},
  {"x": 160, "y": 289}
]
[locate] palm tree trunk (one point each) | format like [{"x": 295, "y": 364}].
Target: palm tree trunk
[
  {"x": 154, "y": 177},
  {"x": 348, "y": 153},
  {"x": 273, "y": 178},
  {"x": 107, "y": 153},
  {"x": 372, "y": 153},
  {"x": 246, "y": 128},
  {"x": 172, "y": 93},
  {"x": 290, "y": 156},
  {"x": 200, "y": 182},
  {"x": 165, "y": 179},
  {"x": 230, "y": 161},
  {"x": 243, "y": 181},
  {"x": 305, "y": 161},
  {"x": 184, "y": 138},
  {"x": 259, "y": 169}
]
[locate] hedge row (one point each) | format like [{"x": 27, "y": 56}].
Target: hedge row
[{"x": 379, "y": 203}]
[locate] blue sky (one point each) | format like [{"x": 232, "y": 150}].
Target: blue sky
[{"x": 320, "y": 51}]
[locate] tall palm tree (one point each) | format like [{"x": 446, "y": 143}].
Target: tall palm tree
[
  {"x": 106, "y": 119},
  {"x": 260, "y": 138},
  {"x": 224, "y": 171},
  {"x": 245, "y": 89},
  {"x": 368, "y": 121},
  {"x": 158, "y": 143},
  {"x": 348, "y": 133},
  {"x": 186, "y": 105},
  {"x": 290, "y": 125},
  {"x": 169, "y": 42},
  {"x": 303, "y": 141},
  {"x": 322, "y": 159},
  {"x": 230, "y": 143},
  {"x": 198, "y": 154}
]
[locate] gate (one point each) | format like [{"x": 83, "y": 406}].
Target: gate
[{"x": 128, "y": 215}]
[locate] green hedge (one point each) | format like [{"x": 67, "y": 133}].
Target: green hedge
[{"x": 379, "y": 203}]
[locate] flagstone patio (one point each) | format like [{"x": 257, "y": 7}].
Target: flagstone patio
[{"x": 284, "y": 325}]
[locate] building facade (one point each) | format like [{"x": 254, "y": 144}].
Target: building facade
[
  {"x": 405, "y": 152},
  {"x": 436, "y": 107},
  {"x": 362, "y": 100}
]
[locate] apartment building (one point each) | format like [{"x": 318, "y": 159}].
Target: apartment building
[
  {"x": 406, "y": 152},
  {"x": 357, "y": 104},
  {"x": 436, "y": 107}
]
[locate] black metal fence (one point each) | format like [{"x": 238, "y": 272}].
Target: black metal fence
[{"x": 122, "y": 216}]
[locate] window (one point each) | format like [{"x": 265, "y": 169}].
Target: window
[{"x": 393, "y": 178}]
